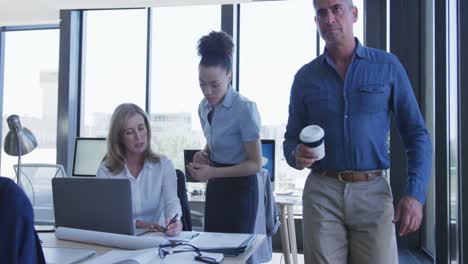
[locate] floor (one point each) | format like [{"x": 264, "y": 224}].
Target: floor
[{"x": 405, "y": 257}]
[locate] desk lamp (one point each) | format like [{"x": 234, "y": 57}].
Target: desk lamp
[{"x": 18, "y": 141}]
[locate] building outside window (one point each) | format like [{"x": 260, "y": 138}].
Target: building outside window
[
  {"x": 114, "y": 66},
  {"x": 175, "y": 90}
]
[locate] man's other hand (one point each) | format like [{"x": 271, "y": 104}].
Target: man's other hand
[{"x": 409, "y": 214}]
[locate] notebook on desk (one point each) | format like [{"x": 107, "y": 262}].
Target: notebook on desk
[
  {"x": 94, "y": 204},
  {"x": 229, "y": 244},
  {"x": 54, "y": 255}
]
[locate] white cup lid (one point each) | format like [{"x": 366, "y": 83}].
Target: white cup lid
[{"x": 311, "y": 133}]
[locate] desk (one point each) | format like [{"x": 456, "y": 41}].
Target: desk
[
  {"x": 49, "y": 240},
  {"x": 196, "y": 198},
  {"x": 286, "y": 205}
]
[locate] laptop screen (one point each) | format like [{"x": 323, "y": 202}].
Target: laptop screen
[
  {"x": 89, "y": 153},
  {"x": 96, "y": 204},
  {"x": 268, "y": 157}
]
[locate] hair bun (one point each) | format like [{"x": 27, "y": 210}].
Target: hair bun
[{"x": 216, "y": 44}]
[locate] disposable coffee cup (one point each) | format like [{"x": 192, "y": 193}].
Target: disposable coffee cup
[{"x": 312, "y": 136}]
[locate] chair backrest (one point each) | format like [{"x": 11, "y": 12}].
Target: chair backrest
[
  {"x": 36, "y": 181},
  {"x": 182, "y": 194}
]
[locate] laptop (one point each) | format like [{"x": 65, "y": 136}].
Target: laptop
[
  {"x": 96, "y": 204},
  {"x": 54, "y": 255}
]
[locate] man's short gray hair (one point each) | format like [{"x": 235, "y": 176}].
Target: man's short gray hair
[{"x": 350, "y": 3}]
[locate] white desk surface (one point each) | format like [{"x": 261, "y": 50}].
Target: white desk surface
[
  {"x": 196, "y": 198},
  {"x": 279, "y": 199},
  {"x": 49, "y": 240},
  {"x": 287, "y": 199}
]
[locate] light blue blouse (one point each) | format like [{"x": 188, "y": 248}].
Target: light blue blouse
[{"x": 235, "y": 121}]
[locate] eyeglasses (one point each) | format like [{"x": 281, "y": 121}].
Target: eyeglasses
[{"x": 166, "y": 249}]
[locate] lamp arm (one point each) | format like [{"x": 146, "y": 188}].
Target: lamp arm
[{"x": 18, "y": 173}]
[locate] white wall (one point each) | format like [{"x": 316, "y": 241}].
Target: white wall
[
  {"x": 28, "y": 12},
  {"x": 33, "y": 12}
]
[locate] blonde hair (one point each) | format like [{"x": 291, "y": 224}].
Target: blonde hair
[{"x": 116, "y": 152}]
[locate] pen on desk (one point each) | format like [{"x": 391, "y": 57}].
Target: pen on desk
[
  {"x": 194, "y": 236},
  {"x": 173, "y": 220}
]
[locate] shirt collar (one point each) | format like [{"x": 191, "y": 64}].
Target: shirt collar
[
  {"x": 227, "y": 101},
  {"x": 147, "y": 164},
  {"x": 359, "y": 51}
]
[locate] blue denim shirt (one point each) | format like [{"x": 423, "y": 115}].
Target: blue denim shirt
[
  {"x": 355, "y": 114},
  {"x": 235, "y": 121}
]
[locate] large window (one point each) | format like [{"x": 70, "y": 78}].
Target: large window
[
  {"x": 276, "y": 39},
  {"x": 429, "y": 220},
  {"x": 114, "y": 66},
  {"x": 30, "y": 91},
  {"x": 175, "y": 92}
]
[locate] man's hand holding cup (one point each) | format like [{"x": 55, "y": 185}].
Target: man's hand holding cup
[{"x": 312, "y": 147}]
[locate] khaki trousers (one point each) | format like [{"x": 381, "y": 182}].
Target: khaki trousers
[{"x": 348, "y": 222}]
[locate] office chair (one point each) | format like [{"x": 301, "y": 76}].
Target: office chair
[
  {"x": 37, "y": 184},
  {"x": 184, "y": 205}
]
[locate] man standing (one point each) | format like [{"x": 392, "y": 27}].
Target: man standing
[{"x": 351, "y": 91}]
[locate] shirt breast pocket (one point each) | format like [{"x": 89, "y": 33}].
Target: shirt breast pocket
[{"x": 373, "y": 98}]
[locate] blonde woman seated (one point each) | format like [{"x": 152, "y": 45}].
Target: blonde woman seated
[{"x": 152, "y": 176}]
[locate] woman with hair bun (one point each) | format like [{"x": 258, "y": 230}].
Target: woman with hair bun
[{"x": 232, "y": 155}]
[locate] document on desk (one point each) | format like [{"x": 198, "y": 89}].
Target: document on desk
[
  {"x": 56, "y": 255},
  {"x": 184, "y": 236},
  {"x": 210, "y": 240},
  {"x": 141, "y": 256},
  {"x": 108, "y": 239},
  {"x": 150, "y": 255}
]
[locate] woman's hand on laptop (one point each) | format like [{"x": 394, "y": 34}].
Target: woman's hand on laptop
[
  {"x": 150, "y": 226},
  {"x": 174, "y": 228}
]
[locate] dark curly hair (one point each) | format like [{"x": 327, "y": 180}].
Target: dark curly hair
[{"x": 216, "y": 49}]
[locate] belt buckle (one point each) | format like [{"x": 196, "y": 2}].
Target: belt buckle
[{"x": 340, "y": 178}]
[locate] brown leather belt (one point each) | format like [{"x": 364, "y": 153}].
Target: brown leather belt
[{"x": 352, "y": 176}]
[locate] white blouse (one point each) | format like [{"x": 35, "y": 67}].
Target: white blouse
[{"x": 154, "y": 191}]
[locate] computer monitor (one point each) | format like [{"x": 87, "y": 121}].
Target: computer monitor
[
  {"x": 89, "y": 153},
  {"x": 268, "y": 159}
]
